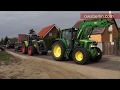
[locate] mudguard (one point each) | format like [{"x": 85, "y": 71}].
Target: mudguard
[{"x": 26, "y": 43}]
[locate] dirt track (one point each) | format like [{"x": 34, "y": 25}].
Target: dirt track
[{"x": 32, "y": 67}]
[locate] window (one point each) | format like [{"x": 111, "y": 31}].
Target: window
[{"x": 50, "y": 34}]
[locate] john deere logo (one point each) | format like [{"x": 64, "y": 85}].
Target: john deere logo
[{"x": 95, "y": 22}]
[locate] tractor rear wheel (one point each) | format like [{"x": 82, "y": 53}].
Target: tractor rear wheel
[
  {"x": 24, "y": 48},
  {"x": 80, "y": 55},
  {"x": 58, "y": 51},
  {"x": 31, "y": 50},
  {"x": 97, "y": 58}
]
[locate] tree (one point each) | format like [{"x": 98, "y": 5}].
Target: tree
[
  {"x": 15, "y": 39},
  {"x": 1, "y": 42},
  {"x": 5, "y": 40}
]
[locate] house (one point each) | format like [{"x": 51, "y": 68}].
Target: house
[
  {"x": 22, "y": 37},
  {"x": 102, "y": 34},
  {"x": 49, "y": 31}
]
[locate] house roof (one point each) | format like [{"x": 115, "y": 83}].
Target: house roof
[
  {"x": 95, "y": 30},
  {"x": 46, "y": 30}
]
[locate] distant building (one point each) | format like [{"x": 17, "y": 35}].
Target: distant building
[
  {"x": 49, "y": 32},
  {"x": 22, "y": 37}
]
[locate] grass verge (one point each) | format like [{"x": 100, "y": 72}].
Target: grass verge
[{"x": 6, "y": 59}]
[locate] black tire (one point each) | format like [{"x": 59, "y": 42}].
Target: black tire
[
  {"x": 25, "y": 49},
  {"x": 70, "y": 56},
  {"x": 85, "y": 57},
  {"x": 97, "y": 58},
  {"x": 36, "y": 52},
  {"x": 31, "y": 50},
  {"x": 61, "y": 57},
  {"x": 2, "y": 49},
  {"x": 44, "y": 53}
]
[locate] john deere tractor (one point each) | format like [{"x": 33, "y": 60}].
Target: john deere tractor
[
  {"x": 74, "y": 43},
  {"x": 33, "y": 44}
]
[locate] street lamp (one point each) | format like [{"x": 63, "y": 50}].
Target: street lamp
[{"x": 110, "y": 29}]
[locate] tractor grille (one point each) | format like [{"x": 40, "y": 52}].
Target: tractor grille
[{"x": 88, "y": 44}]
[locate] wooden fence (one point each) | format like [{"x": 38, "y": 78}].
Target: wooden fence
[{"x": 110, "y": 49}]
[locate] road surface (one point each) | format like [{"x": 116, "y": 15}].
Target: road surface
[{"x": 44, "y": 67}]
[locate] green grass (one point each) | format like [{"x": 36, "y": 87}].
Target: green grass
[
  {"x": 7, "y": 59},
  {"x": 4, "y": 56}
]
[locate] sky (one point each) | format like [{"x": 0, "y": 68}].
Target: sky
[{"x": 13, "y": 23}]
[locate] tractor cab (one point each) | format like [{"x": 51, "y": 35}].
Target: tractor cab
[
  {"x": 31, "y": 38},
  {"x": 69, "y": 35}
]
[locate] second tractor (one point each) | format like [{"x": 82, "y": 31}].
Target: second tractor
[{"x": 33, "y": 44}]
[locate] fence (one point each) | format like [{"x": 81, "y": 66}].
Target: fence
[{"x": 109, "y": 48}]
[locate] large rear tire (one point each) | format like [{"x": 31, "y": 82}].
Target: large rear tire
[
  {"x": 97, "y": 58},
  {"x": 58, "y": 51},
  {"x": 24, "y": 49},
  {"x": 80, "y": 56},
  {"x": 31, "y": 50}
]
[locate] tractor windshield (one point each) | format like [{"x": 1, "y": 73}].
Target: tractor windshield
[{"x": 66, "y": 34}]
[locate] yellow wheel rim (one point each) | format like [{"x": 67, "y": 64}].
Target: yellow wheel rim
[
  {"x": 79, "y": 56},
  {"x": 57, "y": 51}
]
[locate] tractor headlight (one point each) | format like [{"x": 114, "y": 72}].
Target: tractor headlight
[{"x": 93, "y": 45}]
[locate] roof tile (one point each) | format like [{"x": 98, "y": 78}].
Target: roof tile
[{"x": 43, "y": 32}]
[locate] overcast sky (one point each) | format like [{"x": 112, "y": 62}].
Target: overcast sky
[{"x": 13, "y": 23}]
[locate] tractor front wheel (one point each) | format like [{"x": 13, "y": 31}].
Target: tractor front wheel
[
  {"x": 24, "y": 49},
  {"x": 80, "y": 55},
  {"x": 31, "y": 50},
  {"x": 97, "y": 58},
  {"x": 58, "y": 51}
]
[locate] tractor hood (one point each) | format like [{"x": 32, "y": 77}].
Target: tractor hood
[{"x": 86, "y": 40}]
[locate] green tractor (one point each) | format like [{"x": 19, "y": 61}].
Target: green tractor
[
  {"x": 74, "y": 43},
  {"x": 34, "y": 45}
]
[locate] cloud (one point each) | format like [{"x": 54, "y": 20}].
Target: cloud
[{"x": 14, "y": 22}]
